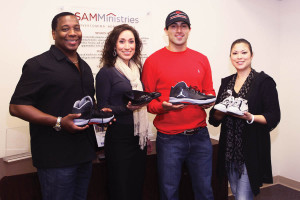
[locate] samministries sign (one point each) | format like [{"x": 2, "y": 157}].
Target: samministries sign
[{"x": 110, "y": 17}]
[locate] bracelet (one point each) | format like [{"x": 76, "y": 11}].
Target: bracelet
[{"x": 252, "y": 120}]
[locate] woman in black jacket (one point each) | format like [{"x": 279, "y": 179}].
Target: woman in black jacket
[
  {"x": 125, "y": 140},
  {"x": 247, "y": 106}
]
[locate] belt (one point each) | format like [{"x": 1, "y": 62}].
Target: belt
[{"x": 191, "y": 131}]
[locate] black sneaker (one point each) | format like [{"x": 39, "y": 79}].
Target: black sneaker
[
  {"x": 89, "y": 115},
  {"x": 182, "y": 94},
  {"x": 139, "y": 97},
  {"x": 100, "y": 117}
]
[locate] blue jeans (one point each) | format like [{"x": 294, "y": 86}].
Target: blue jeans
[
  {"x": 67, "y": 183},
  {"x": 240, "y": 187},
  {"x": 196, "y": 151}
]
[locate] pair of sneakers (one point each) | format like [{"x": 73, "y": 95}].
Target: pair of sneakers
[
  {"x": 232, "y": 105},
  {"x": 182, "y": 94},
  {"x": 89, "y": 115}
]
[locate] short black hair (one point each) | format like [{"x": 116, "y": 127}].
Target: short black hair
[{"x": 55, "y": 19}]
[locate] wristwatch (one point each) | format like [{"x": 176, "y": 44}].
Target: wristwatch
[{"x": 57, "y": 126}]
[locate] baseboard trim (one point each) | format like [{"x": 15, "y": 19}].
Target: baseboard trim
[{"x": 287, "y": 182}]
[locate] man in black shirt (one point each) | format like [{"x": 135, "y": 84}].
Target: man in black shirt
[{"x": 50, "y": 84}]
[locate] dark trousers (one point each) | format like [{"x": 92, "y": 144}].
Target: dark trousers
[
  {"x": 126, "y": 162},
  {"x": 66, "y": 183}
]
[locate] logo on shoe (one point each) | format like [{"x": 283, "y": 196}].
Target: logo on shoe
[{"x": 181, "y": 94}]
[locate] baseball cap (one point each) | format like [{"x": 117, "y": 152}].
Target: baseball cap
[{"x": 177, "y": 16}]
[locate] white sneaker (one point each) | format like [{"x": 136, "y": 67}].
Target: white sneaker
[
  {"x": 222, "y": 106},
  {"x": 238, "y": 107}
]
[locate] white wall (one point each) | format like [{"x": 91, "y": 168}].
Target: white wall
[
  {"x": 289, "y": 137},
  {"x": 270, "y": 26}
]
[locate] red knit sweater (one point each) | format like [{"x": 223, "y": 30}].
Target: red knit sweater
[{"x": 164, "y": 69}]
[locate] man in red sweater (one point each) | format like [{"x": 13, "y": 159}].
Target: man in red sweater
[{"x": 182, "y": 133}]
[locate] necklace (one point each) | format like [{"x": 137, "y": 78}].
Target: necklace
[{"x": 75, "y": 62}]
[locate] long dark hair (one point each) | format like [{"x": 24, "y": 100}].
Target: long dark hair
[{"x": 110, "y": 43}]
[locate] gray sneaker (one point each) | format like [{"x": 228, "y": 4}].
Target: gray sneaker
[
  {"x": 83, "y": 106},
  {"x": 89, "y": 115}
]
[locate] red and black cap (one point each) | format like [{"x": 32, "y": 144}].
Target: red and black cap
[{"x": 177, "y": 16}]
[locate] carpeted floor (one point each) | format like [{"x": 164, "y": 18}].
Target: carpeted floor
[{"x": 276, "y": 192}]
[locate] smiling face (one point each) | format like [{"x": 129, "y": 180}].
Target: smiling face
[
  {"x": 67, "y": 34},
  {"x": 125, "y": 46},
  {"x": 241, "y": 56},
  {"x": 178, "y": 34}
]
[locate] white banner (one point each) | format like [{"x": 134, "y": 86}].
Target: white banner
[{"x": 96, "y": 23}]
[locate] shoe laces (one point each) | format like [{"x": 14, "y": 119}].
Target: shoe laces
[
  {"x": 195, "y": 89},
  {"x": 145, "y": 97},
  {"x": 240, "y": 102},
  {"x": 237, "y": 102}
]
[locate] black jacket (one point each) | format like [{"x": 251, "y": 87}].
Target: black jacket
[{"x": 262, "y": 100}]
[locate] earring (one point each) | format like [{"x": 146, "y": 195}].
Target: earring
[{"x": 114, "y": 53}]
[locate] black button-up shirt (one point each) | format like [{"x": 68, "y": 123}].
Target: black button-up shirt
[{"x": 52, "y": 83}]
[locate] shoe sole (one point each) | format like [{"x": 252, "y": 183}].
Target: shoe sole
[
  {"x": 100, "y": 120},
  {"x": 175, "y": 100},
  {"x": 83, "y": 122},
  {"x": 235, "y": 112},
  {"x": 224, "y": 110}
]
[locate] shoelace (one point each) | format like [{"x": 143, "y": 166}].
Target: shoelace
[
  {"x": 146, "y": 97},
  {"x": 237, "y": 102},
  {"x": 195, "y": 89},
  {"x": 227, "y": 100}
]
